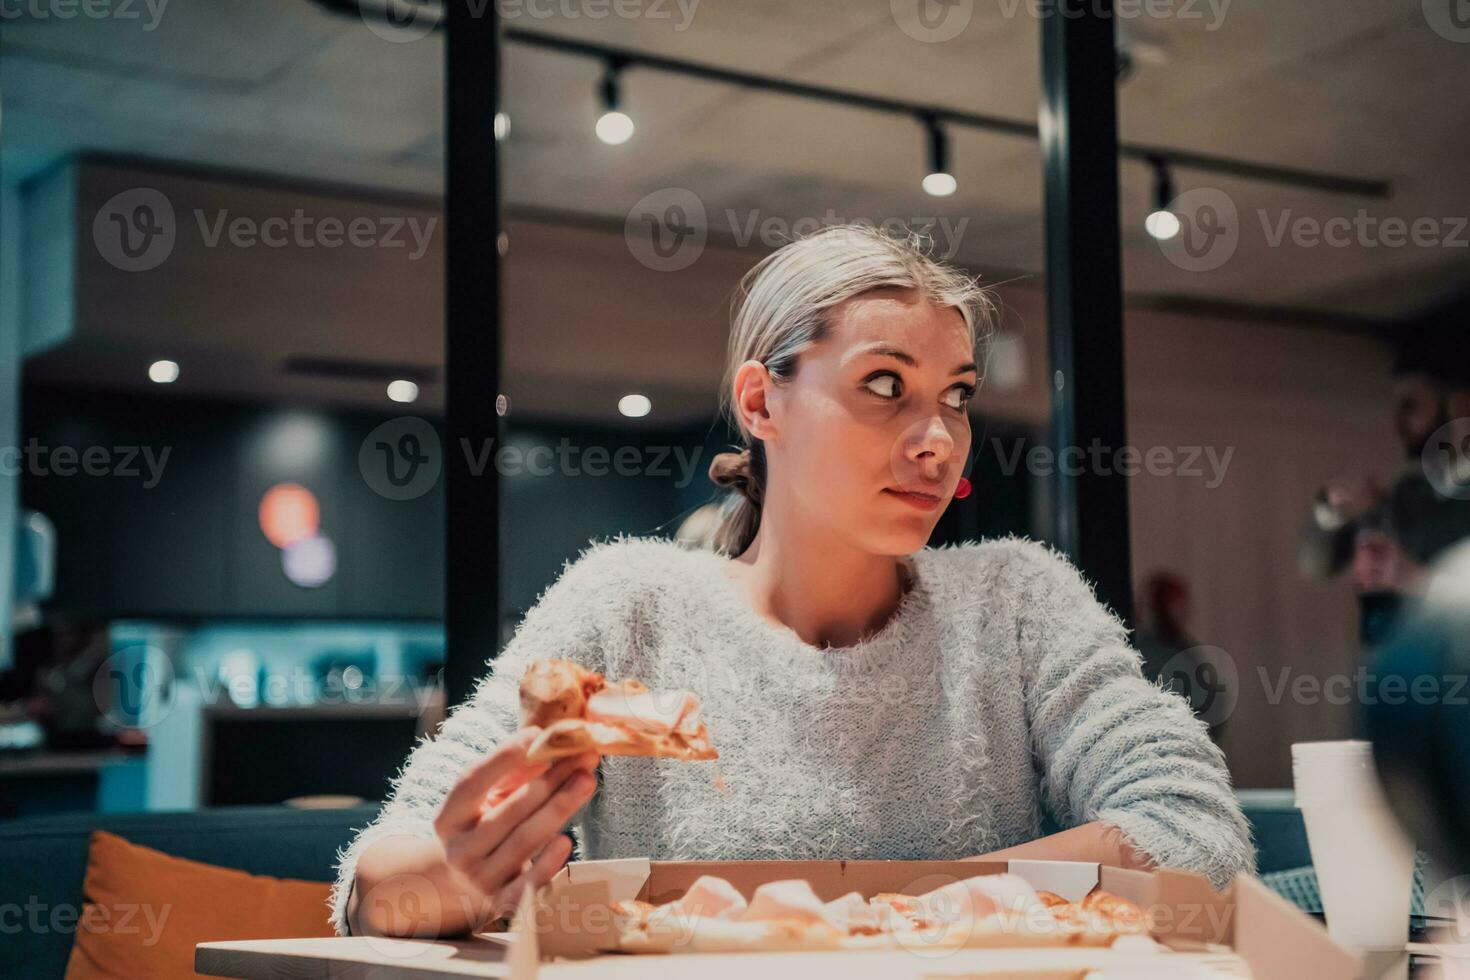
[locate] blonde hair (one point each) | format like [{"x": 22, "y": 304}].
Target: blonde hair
[{"x": 782, "y": 307}]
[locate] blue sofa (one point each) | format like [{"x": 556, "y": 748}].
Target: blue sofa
[{"x": 44, "y": 859}]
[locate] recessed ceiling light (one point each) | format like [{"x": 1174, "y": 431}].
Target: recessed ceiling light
[
  {"x": 403, "y": 391},
  {"x": 635, "y": 406},
  {"x": 163, "y": 372}
]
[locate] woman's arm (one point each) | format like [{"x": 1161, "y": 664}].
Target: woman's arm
[
  {"x": 1097, "y": 842},
  {"x": 412, "y": 891},
  {"x": 1111, "y": 747},
  {"x": 568, "y": 622}
]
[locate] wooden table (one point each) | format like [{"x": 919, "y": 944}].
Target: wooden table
[
  {"x": 493, "y": 955},
  {"x": 488, "y": 955}
]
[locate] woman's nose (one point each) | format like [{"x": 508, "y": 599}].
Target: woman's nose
[{"x": 933, "y": 441}]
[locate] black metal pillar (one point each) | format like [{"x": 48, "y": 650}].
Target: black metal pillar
[
  {"x": 1084, "y": 293},
  {"x": 471, "y": 342}
]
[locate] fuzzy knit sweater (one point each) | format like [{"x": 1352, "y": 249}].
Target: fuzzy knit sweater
[{"x": 999, "y": 690}]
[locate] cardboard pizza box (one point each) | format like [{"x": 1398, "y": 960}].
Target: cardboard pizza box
[{"x": 1245, "y": 930}]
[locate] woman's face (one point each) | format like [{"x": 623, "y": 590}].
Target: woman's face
[{"x": 872, "y": 433}]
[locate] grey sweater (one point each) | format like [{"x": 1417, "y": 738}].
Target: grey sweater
[{"x": 1000, "y": 689}]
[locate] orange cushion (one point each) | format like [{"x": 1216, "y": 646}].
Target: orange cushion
[{"x": 144, "y": 910}]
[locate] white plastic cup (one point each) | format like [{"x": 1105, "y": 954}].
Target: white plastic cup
[{"x": 1363, "y": 858}]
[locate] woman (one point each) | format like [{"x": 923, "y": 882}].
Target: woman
[{"x": 871, "y": 697}]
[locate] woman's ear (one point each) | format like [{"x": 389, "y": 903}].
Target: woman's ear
[{"x": 752, "y": 388}]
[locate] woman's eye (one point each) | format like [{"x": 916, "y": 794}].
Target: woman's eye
[
  {"x": 957, "y": 396},
  {"x": 885, "y": 385}
]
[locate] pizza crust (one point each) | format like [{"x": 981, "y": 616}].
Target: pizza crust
[{"x": 573, "y": 736}]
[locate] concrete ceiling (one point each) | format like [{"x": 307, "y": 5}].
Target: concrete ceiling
[{"x": 283, "y": 87}]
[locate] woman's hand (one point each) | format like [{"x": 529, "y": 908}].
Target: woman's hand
[
  {"x": 500, "y": 825},
  {"x": 497, "y": 831},
  {"x": 1092, "y": 842}
]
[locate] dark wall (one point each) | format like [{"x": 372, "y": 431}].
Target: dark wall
[
  {"x": 550, "y": 519},
  {"x": 190, "y": 546}
]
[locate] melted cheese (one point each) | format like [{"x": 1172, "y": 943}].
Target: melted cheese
[
  {"x": 791, "y": 900},
  {"x": 659, "y": 712}
]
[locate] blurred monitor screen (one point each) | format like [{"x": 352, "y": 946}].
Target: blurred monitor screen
[{"x": 281, "y": 755}]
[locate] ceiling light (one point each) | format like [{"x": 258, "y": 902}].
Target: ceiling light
[
  {"x": 502, "y": 125},
  {"x": 163, "y": 372},
  {"x": 635, "y": 406},
  {"x": 1162, "y": 223},
  {"x": 403, "y": 391},
  {"x": 614, "y": 127},
  {"x": 939, "y": 182}
]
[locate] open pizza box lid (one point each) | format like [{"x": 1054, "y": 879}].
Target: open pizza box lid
[{"x": 571, "y": 917}]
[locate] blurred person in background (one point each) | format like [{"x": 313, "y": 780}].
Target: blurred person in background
[
  {"x": 699, "y": 529},
  {"x": 1386, "y": 538},
  {"x": 51, "y": 682},
  {"x": 1167, "y": 636},
  {"x": 1172, "y": 656}
]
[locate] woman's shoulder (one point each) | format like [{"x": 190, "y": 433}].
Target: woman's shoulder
[
  {"x": 625, "y": 566},
  {"x": 601, "y": 596},
  {"x": 1008, "y": 565},
  {"x": 1011, "y": 555}
]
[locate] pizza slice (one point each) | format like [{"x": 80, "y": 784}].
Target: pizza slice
[
  {"x": 712, "y": 916},
  {"x": 578, "y": 709},
  {"x": 853, "y": 915},
  {"x": 1115, "y": 913},
  {"x": 896, "y": 911},
  {"x": 1099, "y": 914}
]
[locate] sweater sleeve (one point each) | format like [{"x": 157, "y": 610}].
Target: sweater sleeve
[
  {"x": 566, "y": 622},
  {"x": 1110, "y": 745}
]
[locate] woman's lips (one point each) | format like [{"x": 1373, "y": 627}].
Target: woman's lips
[{"x": 923, "y": 501}]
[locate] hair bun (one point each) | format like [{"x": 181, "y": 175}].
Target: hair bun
[{"x": 736, "y": 471}]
